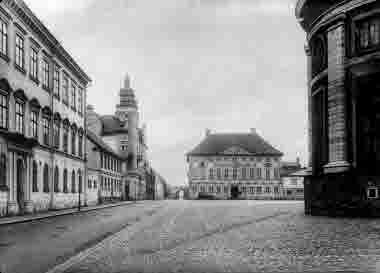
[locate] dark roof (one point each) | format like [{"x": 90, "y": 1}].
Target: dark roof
[
  {"x": 100, "y": 143},
  {"x": 112, "y": 125},
  {"x": 250, "y": 144}
]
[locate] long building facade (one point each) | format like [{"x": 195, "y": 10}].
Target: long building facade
[
  {"x": 234, "y": 166},
  {"x": 42, "y": 117},
  {"x": 342, "y": 49}
]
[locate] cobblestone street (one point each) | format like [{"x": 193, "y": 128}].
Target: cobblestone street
[{"x": 235, "y": 236}]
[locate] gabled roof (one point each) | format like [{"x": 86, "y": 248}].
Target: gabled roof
[
  {"x": 112, "y": 125},
  {"x": 232, "y": 144},
  {"x": 100, "y": 143}
]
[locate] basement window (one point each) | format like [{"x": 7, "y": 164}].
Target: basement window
[{"x": 372, "y": 193}]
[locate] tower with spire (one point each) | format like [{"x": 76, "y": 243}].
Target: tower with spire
[{"x": 128, "y": 102}]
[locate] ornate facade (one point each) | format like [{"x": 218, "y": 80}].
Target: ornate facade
[
  {"x": 342, "y": 48},
  {"x": 234, "y": 166},
  {"x": 124, "y": 141},
  {"x": 42, "y": 120}
]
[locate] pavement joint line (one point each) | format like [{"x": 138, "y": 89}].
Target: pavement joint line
[
  {"x": 62, "y": 213},
  {"x": 61, "y": 268}
]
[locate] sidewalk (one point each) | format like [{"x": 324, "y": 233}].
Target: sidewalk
[{"x": 49, "y": 214}]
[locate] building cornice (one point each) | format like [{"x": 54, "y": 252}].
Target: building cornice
[{"x": 31, "y": 20}]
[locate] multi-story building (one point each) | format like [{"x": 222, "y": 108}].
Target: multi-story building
[
  {"x": 42, "y": 120},
  {"x": 342, "y": 48},
  {"x": 127, "y": 141},
  {"x": 234, "y": 166},
  {"x": 104, "y": 171}
]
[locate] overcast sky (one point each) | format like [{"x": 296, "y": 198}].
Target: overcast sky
[{"x": 227, "y": 65}]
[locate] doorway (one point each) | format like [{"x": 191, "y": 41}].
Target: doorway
[
  {"x": 20, "y": 185},
  {"x": 235, "y": 192},
  {"x": 368, "y": 127}
]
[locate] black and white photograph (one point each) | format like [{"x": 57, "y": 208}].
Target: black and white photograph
[{"x": 189, "y": 136}]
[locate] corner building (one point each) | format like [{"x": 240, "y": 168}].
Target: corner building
[
  {"x": 343, "y": 49},
  {"x": 123, "y": 161},
  {"x": 42, "y": 120},
  {"x": 234, "y": 166}
]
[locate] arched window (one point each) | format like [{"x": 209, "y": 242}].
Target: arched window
[
  {"x": 3, "y": 170},
  {"x": 73, "y": 182},
  {"x": 56, "y": 179},
  {"x": 35, "y": 177},
  {"x": 80, "y": 181},
  {"x": 46, "y": 178},
  {"x": 3, "y": 111},
  {"x": 65, "y": 188},
  {"x": 73, "y": 140}
]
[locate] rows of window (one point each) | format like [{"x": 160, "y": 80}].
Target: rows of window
[
  {"x": 110, "y": 163},
  {"x": 242, "y": 189},
  {"x": 62, "y": 85},
  {"x": 110, "y": 184},
  {"x": 71, "y": 182},
  {"x": 243, "y": 158},
  {"x": 242, "y": 173},
  {"x": 41, "y": 117}
]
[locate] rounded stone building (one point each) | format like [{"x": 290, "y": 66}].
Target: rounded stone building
[{"x": 343, "y": 54}]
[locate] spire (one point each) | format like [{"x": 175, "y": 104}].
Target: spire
[{"x": 127, "y": 94}]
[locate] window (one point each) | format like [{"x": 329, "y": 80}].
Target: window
[
  {"x": 234, "y": 173},
  {"x": 73, "y": 96},
  {"x": 3, "y": 170},
  {"x": 258, "y": 189},
  {"x": 19, "y": 117},
  {"x": 203, "y": 189},
  {"x": 45, "y": 73},
  {"x": 73, "y": 139},
  {"x": 65, "y": 87},
  {"x": 218, "y": 173},
  {"x": 276, "y": 190},
  {"x": 210, "y": 189},
  {"x": 267, "y": 173},
  {"x": 34, "y": 123},
  {"x": 80, "y": 100},
  {"x": 20, "y": 52},
  {"x": 267, "y": 190},
  {"x": 3, "y": 39},
  {"x": 56, "y": 131},
  {"x": 34, "y": 177},
  {"x": 65, "y": 186},
  {"x": 259, "y": 173},
  {"x": 73, "y": 182},
  {"x": 369, "y": 33},
  {"x": 218, "y": 189},
  {"x": 251, "y": 172},
  {"x": 225, "y": 189},
  {"x": 46, "y": 129},
  {"x": 244, "y": 173},
  {"x": 56, "y": 179},
  {"x": 80, "y": 144},
  {"x": 33, "y": 63},
  {"x": 3, "y": 111},
  {"x": 251, "y": 190},
  {"x": 46, "y": 179},
  {"x": 80, "y": 181},
  {"x": 226, "y": 173},
  {"x": 65, "y": 137},
  {"x": 211, "y": 173},
  {"x": 56, "y": 81}
]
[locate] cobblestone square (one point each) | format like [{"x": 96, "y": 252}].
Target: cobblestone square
[{"x": 237, "y": 236}]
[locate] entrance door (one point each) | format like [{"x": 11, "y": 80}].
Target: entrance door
[
  {"x": 127, "y": 191},
  {"x": 235, "y": 192},
  {"x": 20, "y": 185}
]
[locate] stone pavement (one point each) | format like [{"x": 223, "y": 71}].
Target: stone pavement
[
  {"x": 236, "y": 236},
  {"x": 55, "y": 213}
]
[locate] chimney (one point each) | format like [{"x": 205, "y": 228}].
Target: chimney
[
  {"x": 208, "y": 132},
  {"x": 253, "y": 131}
]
